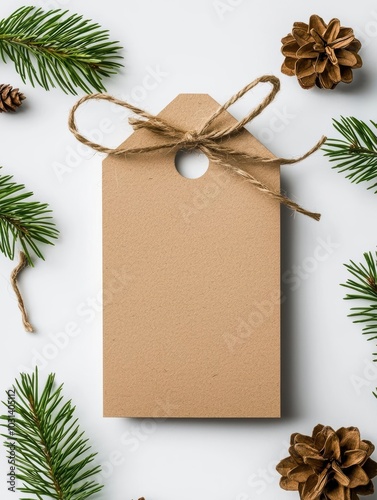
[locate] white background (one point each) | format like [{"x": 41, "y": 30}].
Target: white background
[{"x": 215, "y": 48}]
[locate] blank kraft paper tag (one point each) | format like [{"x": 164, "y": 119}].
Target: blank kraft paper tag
[{"x": 193, "y": 326}]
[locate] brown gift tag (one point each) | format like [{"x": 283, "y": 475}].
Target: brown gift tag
[
  {"x": 195, "y": 329},
  {"x": 191, "y": 268}
]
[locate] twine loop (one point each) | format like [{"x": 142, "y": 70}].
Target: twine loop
[{"x": 208, "y": 139}]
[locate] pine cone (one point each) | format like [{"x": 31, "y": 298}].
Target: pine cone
[
  {"x": 321, "y": 54},
  {"x": 10, "y": 98},
  {"x": 329, "y": 465}
]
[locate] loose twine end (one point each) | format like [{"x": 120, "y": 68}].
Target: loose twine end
[
  {"x": 313, "y": 215},
  {"x": 14, "y": 276}
]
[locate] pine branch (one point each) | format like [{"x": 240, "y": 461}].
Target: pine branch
[
  {"x": 356, "y": 153},
  {"x": 363, "y": 286},
  {"x": 55, "y": 49},
  {"x": 23, "y": 221},
  {"x": 52, "y": 457}
]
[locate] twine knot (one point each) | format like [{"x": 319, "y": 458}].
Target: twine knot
[
  {"x": 207, "y": 139},
  {"x": 190, "y": 139}
]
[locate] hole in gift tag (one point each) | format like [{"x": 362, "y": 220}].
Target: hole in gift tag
[{"x": 191, "y": 164}]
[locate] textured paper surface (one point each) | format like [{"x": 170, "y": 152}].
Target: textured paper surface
[{"x": 191, "y": 277}]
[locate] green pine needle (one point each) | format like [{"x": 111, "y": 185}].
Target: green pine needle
[
  {"x": 23, "y": 221},
  {"x": 54, "y": 48},
  {"x": 356, "y": 153},
  {"x": 52, "y": 456},
  {"x": 363, "y": 286}
]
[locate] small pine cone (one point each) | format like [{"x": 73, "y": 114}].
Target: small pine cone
[
  {"x": 321, "y": 54},
  {"x": 329, "y": 465},
  {"x": 10, "y": 98}
]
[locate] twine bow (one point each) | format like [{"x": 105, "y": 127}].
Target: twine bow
[{"x": 207, "y": 139}]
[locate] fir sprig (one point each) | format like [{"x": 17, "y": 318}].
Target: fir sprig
[
  {"x": 24, "y": 221},
  {"x": 53, "y": 48},
  {"x": 52, "y": 457},
  {"x": 356, "y": 153},
  {"x": 363, "y": 286}
]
